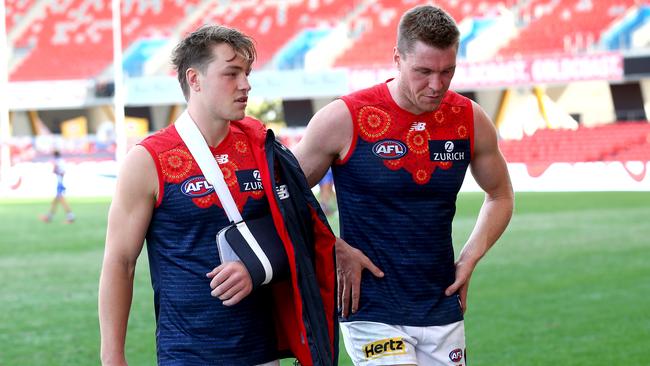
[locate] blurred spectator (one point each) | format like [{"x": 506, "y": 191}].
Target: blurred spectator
[{"x": 59, "y": 170}]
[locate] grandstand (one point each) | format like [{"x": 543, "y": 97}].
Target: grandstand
[
  {"x": 565, "y": 26},
  {"x": 558, "y": 77},
  {"x": 61, "y": 40},
  {"x": 611, "y": 142}
]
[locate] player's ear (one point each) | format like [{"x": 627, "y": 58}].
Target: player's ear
[
  {"x": 396, "y": 57},
  {"x": 193, "y": 79}
]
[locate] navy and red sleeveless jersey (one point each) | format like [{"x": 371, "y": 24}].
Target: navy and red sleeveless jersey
[
  {"x": 396, "y": 191},
  {"x": 192, "y": 326}
]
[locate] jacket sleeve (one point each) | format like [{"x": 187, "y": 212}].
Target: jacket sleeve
[{"x": 313, "y": 241}]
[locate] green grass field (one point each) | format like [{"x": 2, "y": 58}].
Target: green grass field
[{"x": 568, "y": 284}]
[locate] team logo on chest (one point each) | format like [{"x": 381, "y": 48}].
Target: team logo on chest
[
  {"x": 196, "y": 186},
  {"x": 389, "y": 149}
]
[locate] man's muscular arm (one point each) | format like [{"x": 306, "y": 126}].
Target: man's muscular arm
[
  {"x": 328, "y": 137},
  {"x": 491, "y": 173}
]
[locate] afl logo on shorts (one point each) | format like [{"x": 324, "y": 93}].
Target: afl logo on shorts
[
  {"x": 456, "y": 355},
  {"x": 196, "y": 187},
  {"x": 389, "y": 149}
]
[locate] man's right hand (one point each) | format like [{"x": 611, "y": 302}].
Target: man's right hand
[
  {"x": 230, "y": 282},
  {"x": 350, "y": 262}
]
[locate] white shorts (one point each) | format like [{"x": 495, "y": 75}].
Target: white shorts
[{"x": 371, "y": 343}]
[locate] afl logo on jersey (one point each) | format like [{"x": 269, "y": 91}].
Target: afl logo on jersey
[
  {"x": 196, "y": 187},
  {"x": 389, "y": 149}
]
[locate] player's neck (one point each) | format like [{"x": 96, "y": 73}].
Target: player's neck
[
  {"x": 214, "y": 130},
  {"x": 400, "y": 99}
]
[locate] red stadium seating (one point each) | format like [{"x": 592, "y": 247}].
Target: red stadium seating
[
  {"x": 273, "y": 24},
  {"x": 377, "y": 27},
  {"x": 72, "y": 42},
  {"x": 564, "y": 26},
  {"x": 613, "y": 142},
  {"x": 153, "y": 19},
  {"x": 75, "y": 41},
  {"x": 15, "y": 10}
]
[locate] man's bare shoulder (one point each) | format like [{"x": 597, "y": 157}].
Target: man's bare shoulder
[
  {"x": 138, "y": 171},
  {"x": 484, "y": 129},
  {"x": 326, "y": 138},
  {"x": 139, "y": 157},
  {"x": 331, "y": 127},
  {"x": 333, "y": 114}
]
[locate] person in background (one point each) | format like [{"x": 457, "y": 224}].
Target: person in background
[{"x": 59, "y": 198}]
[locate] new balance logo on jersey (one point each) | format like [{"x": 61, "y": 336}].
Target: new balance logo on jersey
[
  {"x": 449, "y": 150},
  {"x": 282, "y": 191},
  {"x": 196, "y": 187},
  {"x": 221, "y": 159},
  {"x": 389, "y": 149},
  {"x": 418, "y": 126},
  {"x": 384, "y": 347},
  {"x": 249, "y": 180}
]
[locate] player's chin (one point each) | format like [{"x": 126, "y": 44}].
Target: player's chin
[
  {"x": 429, "y": 107},
  {"x": 236, "y": 115}
]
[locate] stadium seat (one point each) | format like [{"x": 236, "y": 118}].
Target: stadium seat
[
  {"x": 273, "y": 24},
  {"x": 15, "y": 11},
  {"x": 612, "y": 142},
  {"x": 375, "y": 35},
  {"x": 564, "y": 26},
  {"x": 74, "y": 40}
]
